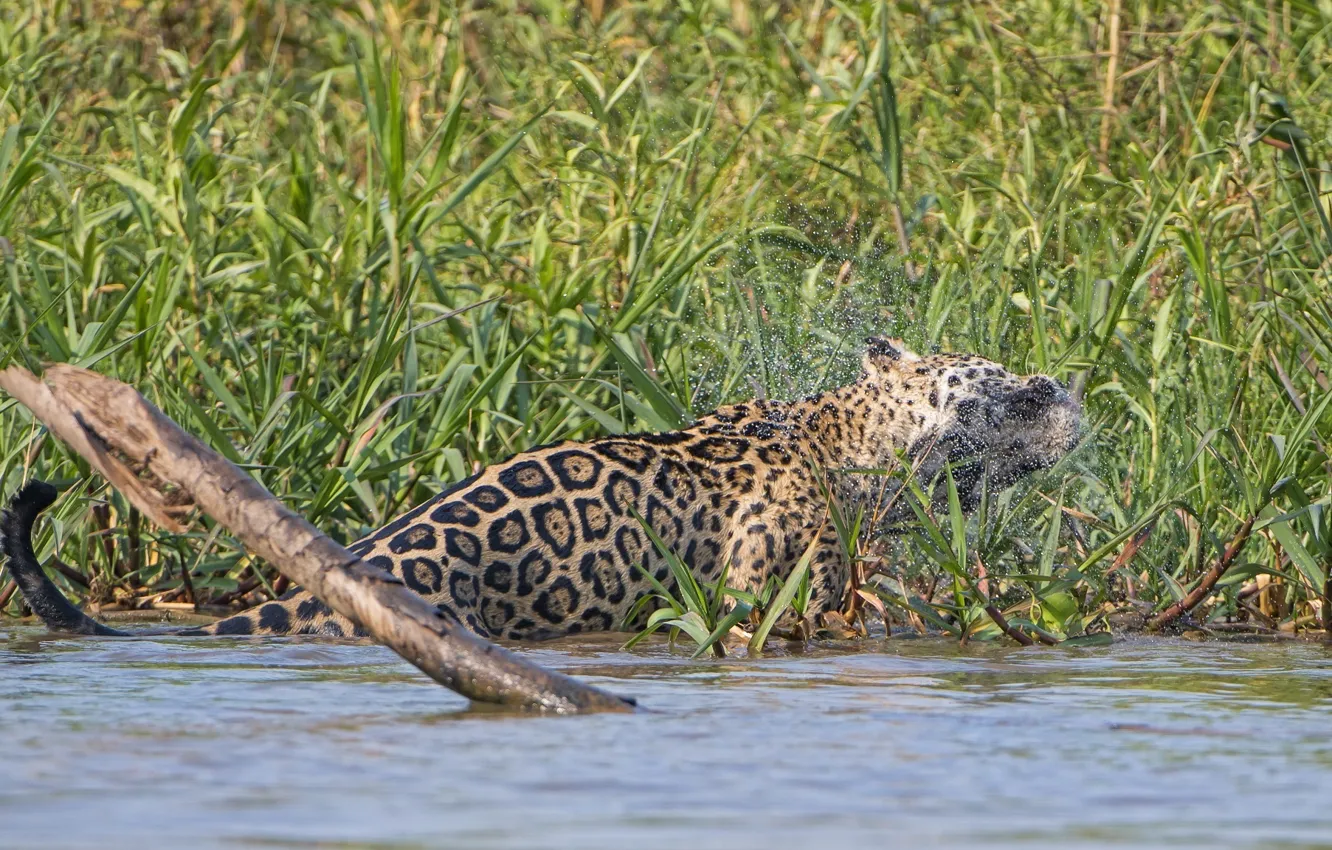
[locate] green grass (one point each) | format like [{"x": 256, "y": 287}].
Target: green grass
[{"x": 364, "y": 257}]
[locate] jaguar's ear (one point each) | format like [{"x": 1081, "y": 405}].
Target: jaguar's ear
[{"x": 882, "y": 353}]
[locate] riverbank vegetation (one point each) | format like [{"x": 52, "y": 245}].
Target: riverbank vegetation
[{"x": 364, "y": 249}]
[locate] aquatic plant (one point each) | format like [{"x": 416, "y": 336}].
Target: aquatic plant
[{"x": 365, "y": 249}]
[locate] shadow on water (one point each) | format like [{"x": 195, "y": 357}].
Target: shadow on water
[{"x": 299, "y": 743}]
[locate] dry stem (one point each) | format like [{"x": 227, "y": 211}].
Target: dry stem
[
  {"x": 1111, "y": 78},
  {"x": 1209, "y": 580},
  {"x": 1002, "y": 622}
]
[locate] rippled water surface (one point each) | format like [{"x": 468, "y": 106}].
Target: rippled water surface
[{"x": 903, "y": 743}]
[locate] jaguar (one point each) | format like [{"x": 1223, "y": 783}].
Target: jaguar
[{"x": 554, "y": 540}]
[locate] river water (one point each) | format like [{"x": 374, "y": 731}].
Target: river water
[{"x": 898, "y": 743}]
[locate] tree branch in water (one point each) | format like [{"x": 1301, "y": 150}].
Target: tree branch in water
[{"x": 165, "y": 472}]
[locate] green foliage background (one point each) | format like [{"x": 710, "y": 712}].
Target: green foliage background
[{"x": 367, "y": 248}]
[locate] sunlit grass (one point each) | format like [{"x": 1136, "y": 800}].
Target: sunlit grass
[{"x": 364, "y": 257}]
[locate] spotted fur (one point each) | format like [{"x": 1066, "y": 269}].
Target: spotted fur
[{"x": 550, "y": 542}]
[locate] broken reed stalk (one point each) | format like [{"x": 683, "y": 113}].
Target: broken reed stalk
[
  {"x": 165, "y": 471},
  {"x": 1006, "y": 627},
  {"x": 1001, "y": 621},
  {"x": 1326, "y": 607},
  {"x": 1209, "y": 579}
]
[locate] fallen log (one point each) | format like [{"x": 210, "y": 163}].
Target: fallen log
[{"x": 166, "y": 472}]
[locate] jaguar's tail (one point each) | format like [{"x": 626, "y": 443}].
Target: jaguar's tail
[
  {"x": 296, "y": 613},
  {"x": 43, "y": 597}
]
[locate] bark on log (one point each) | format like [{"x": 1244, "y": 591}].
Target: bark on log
[{"x": 165, "y": 472}]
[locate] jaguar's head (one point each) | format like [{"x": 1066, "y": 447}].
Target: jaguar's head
[{"x": 992, "y": 426}]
